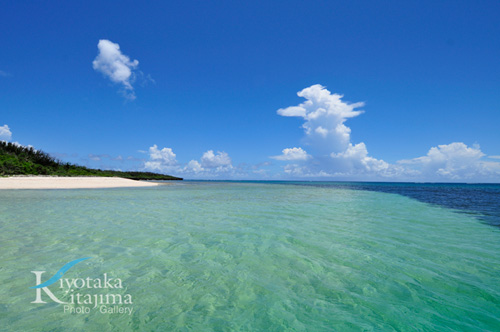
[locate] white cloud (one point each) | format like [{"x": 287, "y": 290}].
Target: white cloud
[
  {"x": 5, "y": 133},
  {"x": 356, "y": 158},
  {"x": 94, "y": 157},
  {"x": 116, "y": 66},
  {"x": 210, "y": 165},
  {"x": 4, "y": 74},
  {"x": 292, "y": 154},
  {"x": 194, "y": 166},
  {"x": 324, "y": 114},
  {"x": 102, "y": 157},
  {"x": 163, "y": 160},
  {"x": 328, "y": 138},
  {"x": 165, "y": 155},
  {"x": 455, "y": 161},
  {"x": 333, "y": 155},
  {"x": 295, "y": 170},
  {"x": 211, "y": 160}
]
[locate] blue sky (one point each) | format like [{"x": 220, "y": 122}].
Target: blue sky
[{"x": 202, "y": 99}]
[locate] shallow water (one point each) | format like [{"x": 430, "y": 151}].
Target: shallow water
[{"x": 250, "y": 257}]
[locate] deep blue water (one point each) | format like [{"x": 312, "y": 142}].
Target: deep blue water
[{"x": 483, "y": 200}]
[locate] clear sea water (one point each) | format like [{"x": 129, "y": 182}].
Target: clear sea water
[{"x": 225, "y": 256}]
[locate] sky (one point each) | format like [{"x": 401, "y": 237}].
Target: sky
[{"x": 261, "y": 90}]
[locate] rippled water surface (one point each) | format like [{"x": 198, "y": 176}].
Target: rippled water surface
[{"x": 250, "y": 257}]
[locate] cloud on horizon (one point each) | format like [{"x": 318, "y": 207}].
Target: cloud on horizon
[
  {"x": 5, "y": 133},
  {"x": 116, "y": 66},
  {"x": 455, "y": 161},
  {"x": 292, "y": 154},
  {"x": 210, "y": 165},
  {"x": 328, "y": 138},
  {"x": 333, "y": 155}
]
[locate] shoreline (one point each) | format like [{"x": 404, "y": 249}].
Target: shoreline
[{"x": 77, "y": 182}]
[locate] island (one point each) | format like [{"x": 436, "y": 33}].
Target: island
[{"x": 18, "y": 162}]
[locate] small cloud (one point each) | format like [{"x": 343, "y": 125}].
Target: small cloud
[
  {"x": 211, "y": 160},
  {"x": 165, "y": 155},
  {"x": 292, "y": 154},
  {"x": 144, "y": 79},
  {"x": 58, "y": 155},
  {"x": 296, "y": 170},
  {"x": 259, "y": 165},
  {"x": 494, "y": 157},
  {"x": 98, "y": 157},
  {"x": 210, "y": 165},
  {"x": 132, "y": 158},
  {"x": 5, "y": 133},
  {"x": 4, "y": 74},
  {"x": 161, "y": 160},
  {"x": 116, "y": 66},
  {"x": 94, "y": 157}
]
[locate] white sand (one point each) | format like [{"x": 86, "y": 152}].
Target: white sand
[{"x": 51, "y": 182}]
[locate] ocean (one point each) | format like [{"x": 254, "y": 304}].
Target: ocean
[{"x": 252, "y": 256}]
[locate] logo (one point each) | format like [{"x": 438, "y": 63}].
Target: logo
[{"x": 82, "y": 295}]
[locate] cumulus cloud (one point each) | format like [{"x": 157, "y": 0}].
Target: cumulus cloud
[
  {"x": 333, "y": 155},
  {"x": 116, "y": 66},
  {"x": 210, "y": 165},
  {"x": 324, "y": 114},
  {"x": 211, "y": 160},
  {"x": 194, "y": 167},
  {"x": 455, "y": 161},
  {"x": 355, "y": 157},
  {"x": 292, "y": 154},
  {"x": 5, "y": 133},
  {"x": 328, "y": 138},
  {"x": 165, "y": 155},
  {"x": 161, "y": 160}
]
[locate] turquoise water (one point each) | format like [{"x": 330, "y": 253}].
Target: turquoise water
[{"x": 249, "y": 257}]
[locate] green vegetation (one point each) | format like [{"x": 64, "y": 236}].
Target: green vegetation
[{"x": 20, "y": 160}]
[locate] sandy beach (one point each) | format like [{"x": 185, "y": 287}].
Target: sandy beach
[{"x": 52, "y": 182}]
